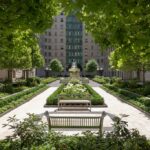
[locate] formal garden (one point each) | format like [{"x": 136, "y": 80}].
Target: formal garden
[{"x": 71, "y": 113}]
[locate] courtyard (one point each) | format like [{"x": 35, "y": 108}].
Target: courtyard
[{"x": 74, "y": 75}]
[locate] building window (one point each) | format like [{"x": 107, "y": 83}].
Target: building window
[
  {"x": 49, "y": 53},
  {"x": 61, "y": 26},
  {"x": 61, "y": 40},
  {"x": 49, "y": 47},
  {"x": 55, "y": 47},
  {"x": 62, "y": 13},
  {"x": 92, "y": 47},
  {"x": 55, "y": 19},
  {"x": 45, "y": 60},
  {"x": 61, "y": 54},
  {"x": 49, "y": 40},
  {"x": 55, "y": 33},
  {"x": 62, "y": 48},
  {"x": 45, "y": 46},
  {"x": 45, "y": 54},
  {"x": 61, "y": 33},
  {"x": 49, "y": 33},
  {"x": 56, "y": 54},
  {"x": 55, "y": 40},
  {"x": 45, "y": 39},
  {"x": 61, "y": 20},
  {"x": 86, "y": 40}
]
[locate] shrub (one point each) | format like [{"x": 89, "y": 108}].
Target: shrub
[
  {"x": 96, "y": 99},
  {"x": 132, "y": 84},
  {"x": 28, "y": 134},
  {"x": 30, "y": 131},
  {"x": 33, "y": 81},
  {"x": 128, "y": 94},
  {"x": 99, "y": 80},
  {"x": 145, "y": 100},
  {"x": 12, "y": 101},
  {"x": 111, "y": 87},
  {"x": 91, "y": 65},
  {"x": 48, "y": 80},
  {"x": 56, "y": 65},
  {"x": 8, "y": 88},
  {"x": 146, "y": 90},
  {"x": 74, "y": 81},
  {"x": 53, "y": 99}
]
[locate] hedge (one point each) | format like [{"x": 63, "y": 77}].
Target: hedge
[
  {"x": 53, "y": 99},
  {"x": 133, "y": 98},
  {"x": 48, "y": 80},
  {"x": 15, "y": 100},
  {"x": 96, "y": 99}
]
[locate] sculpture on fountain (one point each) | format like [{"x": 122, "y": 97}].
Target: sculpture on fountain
[{"x": 74, "y": 71}]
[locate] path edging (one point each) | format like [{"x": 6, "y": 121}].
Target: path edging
[
  {"x": 9, "y": 110},
  {"x": 122, "y": 100}
]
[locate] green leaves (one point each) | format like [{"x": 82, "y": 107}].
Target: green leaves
[
  {"x": 91, "y": 65},
  {"x": 56, "y": 65}
]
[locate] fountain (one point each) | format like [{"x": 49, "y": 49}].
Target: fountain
[{"x": 74, "y": 71}]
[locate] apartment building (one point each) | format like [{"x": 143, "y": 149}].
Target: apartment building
[{"x": 68, "y": 41}]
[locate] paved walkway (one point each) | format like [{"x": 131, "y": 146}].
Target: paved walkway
[
  {"x": 35, "y": 105},
  {"x": 136, "y": 119}
]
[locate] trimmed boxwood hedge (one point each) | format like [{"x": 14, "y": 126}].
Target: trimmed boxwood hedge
[
  {"x": 96, "y": 99},
  {"x": 133, "y": 98},
  {"x": 53, "y": 99},
  {"x": 15, "y": 100},
  {"x": 48, "y": 80}
]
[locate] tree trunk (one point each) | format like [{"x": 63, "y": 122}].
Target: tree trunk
[
  {"x": 10, "y": 75},
  {"x": 138, "y": 74},
  {"x": 143, "y": 75}
]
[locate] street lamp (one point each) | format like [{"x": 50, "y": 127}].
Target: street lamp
[
  {"x": 101, "y": 71},
  {"x": 46, "y": 71}
]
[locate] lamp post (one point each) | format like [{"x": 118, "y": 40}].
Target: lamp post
[
  {"x": 101, "y": 71},
  {"x": 46, "y": 71}
]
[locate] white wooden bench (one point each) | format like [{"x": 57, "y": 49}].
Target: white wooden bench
[{"x": 74, "y": 105}]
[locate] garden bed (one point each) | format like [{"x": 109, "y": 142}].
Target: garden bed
[
  {"x": 139, "y": 102},
  {"x": 11, "y": 102},
  {"x": 75, "y": 91},
  {"x": 135, "y": 99}
]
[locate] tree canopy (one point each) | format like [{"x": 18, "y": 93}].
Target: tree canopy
[
  {"x": 91, "y": 65},
  {"x": 121, "y": 24},
  {"x": 21, "y": 51},
  {"x": 55, "y": 65}
]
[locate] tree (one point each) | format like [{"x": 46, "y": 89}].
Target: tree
[
  {"x": 132, "y": 61},
  {"x": 20, "y": 52},
  {"x": 91, "y": 65},
  {"x": 56, "y": 65},
  {"x": 123, "y": 25},
  {"x": 34, "y": 15}
]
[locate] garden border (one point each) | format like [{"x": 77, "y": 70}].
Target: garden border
[
  {"x": 122, "y": 100},
  {"x": 28, "y": 99}
]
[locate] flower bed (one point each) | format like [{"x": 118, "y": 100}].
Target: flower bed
[{"x": 76, "y": 91}]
